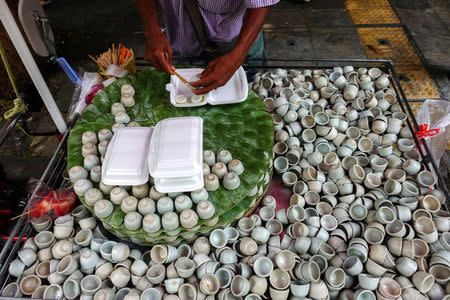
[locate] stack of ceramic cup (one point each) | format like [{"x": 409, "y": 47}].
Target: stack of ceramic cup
[
  {"x": 364, "y": 221},
  {"x": 342, "y": 145},
  {"x": 315, "y": 258}
]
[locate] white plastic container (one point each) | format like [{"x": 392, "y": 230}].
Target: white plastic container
[
  {"x": 172, "y": 152},
  {"x": 235, "y": 91},
  {"x": 126, "y": 158},
  {"x": 175, "y": 159}
]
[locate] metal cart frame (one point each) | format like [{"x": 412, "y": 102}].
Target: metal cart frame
[
  {"x": 22, "y": 230},
  {"x": 53, "y": 173}
]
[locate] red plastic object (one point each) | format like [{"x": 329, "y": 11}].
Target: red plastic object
[
  {"x": 281, "y": 193},
  {"x": 15, "y": 239},
  {"x": 424, "y": 132},
  {"x": 64, "y": 202},
  {"x": 92, "y": 93},
  {"x": 43, "y": 206}
]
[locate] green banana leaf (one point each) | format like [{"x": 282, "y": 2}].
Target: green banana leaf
[
  {"x": 144, "y": 239},
  {"x": 245, "y": 129},
  {"x": 150, "y": 91}
]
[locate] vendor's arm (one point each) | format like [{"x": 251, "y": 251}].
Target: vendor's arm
[
  {"x": 220, "y": 70},
  {"x": 158, "y": 51}
]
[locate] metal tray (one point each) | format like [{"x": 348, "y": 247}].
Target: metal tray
[
  {"x": 53, "y": 174},
  {"x": 385, "y": 65}
]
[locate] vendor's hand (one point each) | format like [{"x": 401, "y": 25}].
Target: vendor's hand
[
  {"x": 217, "y": 73},
  {"x": 159, "y": 52}
]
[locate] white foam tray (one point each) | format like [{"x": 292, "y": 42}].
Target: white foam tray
[
  {"x": 235, "y": 91},
  {"x": 171, "y": 152},
  {"x": 175, "y": 159},
  {"x": 126, "y": 158}
]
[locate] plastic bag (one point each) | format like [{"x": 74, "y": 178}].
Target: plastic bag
[
  {"x": 46, "y": 202},
  {"x": 41, "y": 197},
  {"x": 435, "y": 114},
  {"x": 83, "y": 94},
  {"x": 64, "y": 201},
  {"x": 116, "y": 71}
]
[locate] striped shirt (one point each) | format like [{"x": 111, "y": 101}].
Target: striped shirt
[{"x": 223, "y": 19}]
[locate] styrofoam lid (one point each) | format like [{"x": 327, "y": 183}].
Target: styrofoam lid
[
  {"x": 176, "y": 148},
  {"x": 235, "y": 91},
  {"x": 182, "y": 184},
  {"x": 126, "y": 158}
]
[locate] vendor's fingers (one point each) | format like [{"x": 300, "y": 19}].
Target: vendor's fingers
[
  {"x": 205, "y": 81},
  {"x": 161, "y": 64},
  {"x": 167, "y": 63},
  {"x": 156, "y": 64},
  {"x": 168, "y": 55},
  {"x": 206, "y": 89},
  {"x": 205, "y": 72}
]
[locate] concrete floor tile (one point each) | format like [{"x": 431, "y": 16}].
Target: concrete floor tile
[
  {"x": 438, "y": 4},
  {"x": 442, "y": 81},
  {"x": 444, "y": 15},
  {"x": 410, "y": 4},
  {"x": 285, "y": 18},
  {"x": 290, "y": 4},
  {"x": 337, "y": 43},
  {"x": 327, "y": 4},
  {"x": 328, "y": 18},
  {"x": 434, "y": 49},
  {"x": 419, "y": 21},
  {"x": 288, "y": 43}
]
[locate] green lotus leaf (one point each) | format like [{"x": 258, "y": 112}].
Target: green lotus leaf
[{"x": 245, "y": 129}]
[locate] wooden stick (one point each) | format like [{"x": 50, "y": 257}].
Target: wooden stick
[
  {"x": 103, "y": 62},
  {"x": 114, "y": 60},
  {"x": 91, "y": 57},
  {"x": 25, "y": 213},
  {"x": 183, "y": 80}
]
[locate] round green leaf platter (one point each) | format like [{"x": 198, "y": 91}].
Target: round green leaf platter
[{"x": 245, "y": 129}]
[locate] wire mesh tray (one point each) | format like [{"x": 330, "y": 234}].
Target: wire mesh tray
[{"x": 53, "y": 174}]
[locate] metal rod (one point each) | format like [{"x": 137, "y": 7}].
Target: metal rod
[
  {"x": 404, "y": 97},
  {"x": 140, "y": 61},
  {"x": 25, "y": 55},
  {"x": 397, "y": 87},
  {"x": 428, "y": 157},
  {"x": 362, "y": 60},
  {"x": 43, "y": 178},
  {"x": 13, "y": 252}
]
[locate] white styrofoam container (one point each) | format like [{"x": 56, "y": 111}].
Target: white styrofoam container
[
  {"x": 172, "y": 152},
  {"x": 175, "y": 158},
  {"x": 181, "y": 184},
  {"x": 235, "y": 91},
  {"x": 126, "y": 158}
]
